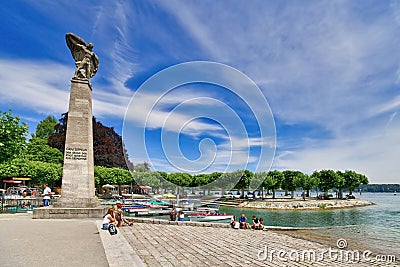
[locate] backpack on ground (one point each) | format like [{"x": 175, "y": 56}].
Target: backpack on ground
[{"x": 112, "y": 229}]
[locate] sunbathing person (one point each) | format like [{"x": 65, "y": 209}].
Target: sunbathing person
[
  {"x": 234, "y": 223},
  {"x": 256, "y": 223},
  {"x": 243, "y": 223},
  {"x": 261, "y": 223},
  {"x": 181, "y": 216}
]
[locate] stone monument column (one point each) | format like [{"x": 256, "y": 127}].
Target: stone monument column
[
  {"x": 78, "y": 198},
  {"x": 78, "y": 189}
]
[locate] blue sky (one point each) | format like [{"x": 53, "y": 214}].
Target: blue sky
[{"x": 329, "y": 71}]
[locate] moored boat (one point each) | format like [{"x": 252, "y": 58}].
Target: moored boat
[{"x": 206, "y": 217}]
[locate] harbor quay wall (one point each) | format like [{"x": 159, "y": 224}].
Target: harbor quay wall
[{"x": 179, "y": 223}]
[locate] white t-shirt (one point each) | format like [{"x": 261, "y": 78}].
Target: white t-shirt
[
  {"x": 107, "y": 219},
  {"x": 47, "y": 192}
]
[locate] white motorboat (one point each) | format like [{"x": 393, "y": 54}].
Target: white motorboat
[{"x": 204, "y": 217}]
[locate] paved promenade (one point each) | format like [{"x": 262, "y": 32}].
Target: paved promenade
[
  {"x": 28, "y": 242},
  {"x": 172, "y": 245},
  {"x": 52, "y": 242}
]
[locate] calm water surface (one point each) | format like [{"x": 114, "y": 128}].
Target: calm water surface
[{"x": 375, "y": 227}]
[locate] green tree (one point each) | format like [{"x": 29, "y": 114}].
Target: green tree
[
  {"x": 180, "y": 179},
  {"x": 244, "y": 181},
  {"x": 12, "y": 136},
  {"x": 200, "y": 179},
  {"x": 354, "y": 180},
  {"x": 309, "y": 183},
  {"x": 273, "y": 181},
  {"x": 45, "y": 128},
  {"x": 163, "y": 178},
  {"x": 227, "y": 181},
  {"x": 113, "y": 176},
  {"x": 288, "y": 181},
  {"x": 306, "y": 182},
  {"x": 40, "y": 172},
  {"x": 152, "y": 179},
  {"x": 142, "y": 167},
  {"x": 258, "y": 179},
  {"x": 38, "y": 150},
  {"x": 327, "y": 180},
  {"x": 340, "y": 183}
]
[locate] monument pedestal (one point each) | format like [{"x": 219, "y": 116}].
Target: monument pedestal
[
  {"x": 78, "y": 198},
  {"x": 69, "y": 213}
]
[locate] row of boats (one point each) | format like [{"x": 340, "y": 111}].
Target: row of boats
[{"x": 192, "y": 209}]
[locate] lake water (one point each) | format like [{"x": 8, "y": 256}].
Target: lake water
[{"x": 375, "y": 227}]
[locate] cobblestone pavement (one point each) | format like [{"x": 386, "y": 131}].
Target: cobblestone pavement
[{"x": 179, "y": 245}]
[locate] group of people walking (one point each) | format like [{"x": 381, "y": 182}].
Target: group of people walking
[{"x": 257, "y": 223}]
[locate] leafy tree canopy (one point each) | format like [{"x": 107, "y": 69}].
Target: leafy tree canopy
[
  {"x": 45, "y": 128},
  {"x": 12, "y": 136},
  {"x": 38, "y": 150}
]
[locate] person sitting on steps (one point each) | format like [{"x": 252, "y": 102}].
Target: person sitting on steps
[
  {"x": 243, "y": 223},
  {"x": 119, "y": 215},
  {"x": 109, "y": 218}
]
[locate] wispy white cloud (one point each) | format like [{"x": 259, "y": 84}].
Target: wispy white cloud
[
  {"x": 42, "y": 86},
  {"x": 313, "y": 62},
  {"x": 373, "y": 154},
  {"x": 116, "y": 52}
]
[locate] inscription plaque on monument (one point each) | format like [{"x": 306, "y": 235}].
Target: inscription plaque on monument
[{"x": 76, "y": 153}]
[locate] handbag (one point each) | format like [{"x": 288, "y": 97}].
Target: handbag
[{"x": 112, "y": 229}]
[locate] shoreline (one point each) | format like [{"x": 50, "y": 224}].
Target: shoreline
[
  {"x": 326, "y": 237},
  {"x": 300, "y": 204}
]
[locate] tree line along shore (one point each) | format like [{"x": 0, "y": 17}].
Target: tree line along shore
[
  {"x": 308, "y": 204},
  {"x": 40, "y": 157}
]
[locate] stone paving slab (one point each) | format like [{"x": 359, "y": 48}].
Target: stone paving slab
[
  {"x": 182, "y": 245},
  {"x": 28, "y": 242},
  {"x": 117, "y": 249}
]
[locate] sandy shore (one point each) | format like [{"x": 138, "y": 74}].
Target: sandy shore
[{"x": 308, "y": 204}]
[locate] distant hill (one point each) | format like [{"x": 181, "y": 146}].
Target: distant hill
[{"x": 390, "y": 188}]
